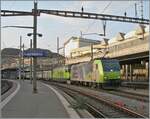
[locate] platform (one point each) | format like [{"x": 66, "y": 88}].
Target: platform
[{"x": 44, "y": 104}]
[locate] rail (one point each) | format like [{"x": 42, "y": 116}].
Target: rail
[
  {"x": 107, "y": 102},
  {"x": 5, "y": 86}
]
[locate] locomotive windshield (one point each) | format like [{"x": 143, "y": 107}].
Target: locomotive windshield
[{"x": 110, "y": 65}]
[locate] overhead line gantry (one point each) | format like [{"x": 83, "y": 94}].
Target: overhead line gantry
[
  {"x": 87, "y": 15},
  {"x": 5, "y": 13},
  {"x": 73, "y": 14}
]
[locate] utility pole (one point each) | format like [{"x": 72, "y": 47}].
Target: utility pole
[
  {"x": 81, "y": 34},
  {"x": 23, "y": 61},
  {"x": 92, "y": 58},
  {"x": 142, "y": 17},
  {"x": 58, "y": 49},
  {"x": 104, "y": 27},
  {"x": 31, "y": 62},
  {"x": 58, "y": 45},
  {"x": 34, "y": 46},
  {"x": 91, "y": 52},
  {"x": 20, "y": 58},
  {"x": 141, "y": 9},
  {"x": 64, "y": 54},
  {"x": 135, "y": 10}
]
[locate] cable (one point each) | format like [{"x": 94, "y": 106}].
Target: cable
[
  {"x": 101, "y": 13},
  {"x": 131, "y": 4},
  {"x": 106, "y": 7}
]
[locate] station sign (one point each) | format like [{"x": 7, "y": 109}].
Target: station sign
[{"x": 35, "y": 53}]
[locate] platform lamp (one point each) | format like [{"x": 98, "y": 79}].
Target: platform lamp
[{"x": 39, "y": 34}]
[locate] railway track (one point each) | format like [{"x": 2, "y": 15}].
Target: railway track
[
  {"x": 135, "y": 85},
  {"x": 131, "y": 95},
  {"x": 92, "y": 109},
  {"x": 122, "y": 93},
  {"x": 127, "y": 94},
  {"x": 100, "y": 106},
  {"x": 5, "y": 86}
]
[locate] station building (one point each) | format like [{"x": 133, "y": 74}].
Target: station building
[
  {"x": 77, "y": 42},
  {"x": 131, "y": 49}
]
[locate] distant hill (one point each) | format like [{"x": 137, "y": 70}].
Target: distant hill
[
  {"x": 8, "y": 52},
  {"x": 10, "y": 55}
]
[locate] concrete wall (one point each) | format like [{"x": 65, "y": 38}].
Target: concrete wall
[
  {"x": 69, "y": 46},
  {"x": 76, "y": 43},
  {"x": 82, "y": 44}
]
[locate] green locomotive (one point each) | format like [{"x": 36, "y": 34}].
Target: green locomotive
[
  {"x": 103, "y": 72},
  {"x": 61, "y": 74}
]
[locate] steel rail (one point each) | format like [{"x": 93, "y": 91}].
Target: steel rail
[
  {"x": 5, "y": 86},
  {"x": 131, "y": 95},
  {"x": 122, "y": 93},
  {"x": 93, "y": 110},
  {"x": 106, "y": 101}
]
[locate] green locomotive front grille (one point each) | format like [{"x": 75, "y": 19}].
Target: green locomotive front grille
[
  {"x": 111, "y": 75},
  {"x": 111, "y": 70}
]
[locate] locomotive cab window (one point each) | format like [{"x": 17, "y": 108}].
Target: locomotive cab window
[{"x": 110, "y": 65}]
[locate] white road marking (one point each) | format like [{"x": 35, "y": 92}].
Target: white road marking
[
  {"x": 5, "y": 101},
  {"x": 71, "y": 111}
]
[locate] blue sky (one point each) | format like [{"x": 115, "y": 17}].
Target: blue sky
[{"x": 53, "y": 26}]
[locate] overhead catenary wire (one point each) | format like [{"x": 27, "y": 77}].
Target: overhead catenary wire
[
  {"x": 131, "y": 3},
  {"x": 105, "y": 8}
]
